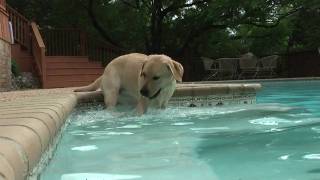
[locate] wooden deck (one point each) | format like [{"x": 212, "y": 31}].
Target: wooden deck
[{"x": 59, "y": 57}]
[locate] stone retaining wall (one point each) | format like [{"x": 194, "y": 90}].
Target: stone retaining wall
[
  {"x": 5, "y": 49},
  {"x": 5, "y": 65}
]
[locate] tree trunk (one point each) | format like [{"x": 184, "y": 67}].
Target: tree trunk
[
  {"x": 156, "y": 28},
  {"x": 98, "y": 26}
]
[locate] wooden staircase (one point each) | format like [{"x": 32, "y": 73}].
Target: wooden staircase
[
  {"x": 60, "y": 57},
  {"x": 71, "y": 71}
]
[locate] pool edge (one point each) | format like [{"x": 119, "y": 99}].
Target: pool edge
[
  {"x": 27, "y": 128},
  {"x": 40, "y": 121}
]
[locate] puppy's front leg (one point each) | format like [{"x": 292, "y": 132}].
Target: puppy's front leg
[
  {"x": 141, "y": 106},
  {"x": 164, "y": 105}
]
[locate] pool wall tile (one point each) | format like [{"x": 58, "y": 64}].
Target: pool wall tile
[
  {"x": 204, "y": 95},
  {"x": 200, "y": 94}
]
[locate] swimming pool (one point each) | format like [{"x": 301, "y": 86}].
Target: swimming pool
[{"x": 278, "y": 138}]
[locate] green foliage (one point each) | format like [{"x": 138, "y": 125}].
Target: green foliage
[
  {"x": 221, "y": 28},
  {"x": 306, "y": 32},
  {"x": 15, "y": 68}
]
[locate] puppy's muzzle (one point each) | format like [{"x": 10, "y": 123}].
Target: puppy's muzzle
[{"x": 144, "y": 92}]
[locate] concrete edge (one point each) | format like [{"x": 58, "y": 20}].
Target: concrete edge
[{"x": 39, "y": 121}]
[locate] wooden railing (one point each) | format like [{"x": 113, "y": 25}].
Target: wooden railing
[
  {"x": 4, "y": 25},
  {"x": 64, "y": 42},
  {"x": 21, "y": 27},
  {"x": 74, "y": 42},
  {"x": 3, "y": 4},
  {"x": 101, "y": 51},
  {"x": 38, "y": 50}
]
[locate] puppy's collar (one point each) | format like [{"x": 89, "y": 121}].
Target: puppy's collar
[{"x": 156, "y": 94}]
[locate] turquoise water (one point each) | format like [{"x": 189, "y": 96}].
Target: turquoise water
[{"x": 276, "y": 139}]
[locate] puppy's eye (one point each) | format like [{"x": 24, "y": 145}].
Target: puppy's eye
[{"x": 156, "y": 77}]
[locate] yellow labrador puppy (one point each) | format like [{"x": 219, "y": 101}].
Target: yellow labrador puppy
[{"x": 149, "y": 80}]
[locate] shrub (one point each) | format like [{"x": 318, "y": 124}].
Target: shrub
[{"x": 15, "y": 68}]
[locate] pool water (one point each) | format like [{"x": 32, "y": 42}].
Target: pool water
[{"x": 276, "y": 139}]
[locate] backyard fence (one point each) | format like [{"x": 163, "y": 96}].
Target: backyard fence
[{"x": 304, "y": 64}]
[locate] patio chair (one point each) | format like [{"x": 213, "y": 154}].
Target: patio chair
[
  {"x": 210, "y": 66},
  {"x": 249, "y": 66},
  {"x": 228, "y": 68},
  {"x": 222, "y": 68},
  {"x": 269, "y": 66}
]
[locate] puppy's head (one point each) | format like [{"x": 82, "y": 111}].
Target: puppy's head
[{"x": 158, "y": 73}]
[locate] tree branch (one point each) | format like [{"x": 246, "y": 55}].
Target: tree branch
[
  {"x": 252, "y": 36},
  {"x": 273, "y": 24},
  {"x": 195, "y": 33},
  {"x": 174, "y": 7},
  {"x": 138, "y": 4},
  {"x": 98, "y": 26},
  {"x": 131, "y": 5}
]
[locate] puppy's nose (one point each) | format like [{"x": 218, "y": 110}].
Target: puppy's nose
[{"x": 144, "y": 92}]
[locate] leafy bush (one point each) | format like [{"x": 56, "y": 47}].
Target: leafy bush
[{"x": 15, "y": 68}]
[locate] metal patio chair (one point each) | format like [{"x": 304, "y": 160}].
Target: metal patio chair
[
  {"x": 210, "y": 66},
  {"x": 248, "y": 66},
  {"x": 268, "y": 67},
  {"x": 222, "y": 68}
]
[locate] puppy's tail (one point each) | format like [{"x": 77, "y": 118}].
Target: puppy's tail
[{"x": 91, "y": 87}]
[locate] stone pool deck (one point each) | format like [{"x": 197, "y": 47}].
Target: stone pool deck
[{"x": 30, "y": 120}]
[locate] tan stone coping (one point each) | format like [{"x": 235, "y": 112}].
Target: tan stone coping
[
  {"x": 30, "y": 124},
  {"x": 27, "y": 127}
]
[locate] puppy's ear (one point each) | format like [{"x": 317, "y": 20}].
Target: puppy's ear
[
  {"x": 176, "y": 69},
  {"x": 141, "y": 70}
]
